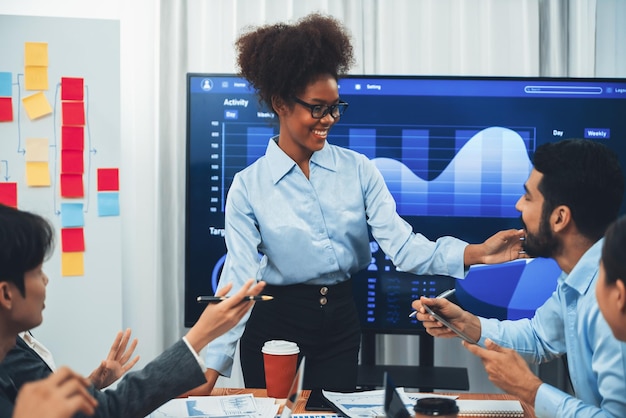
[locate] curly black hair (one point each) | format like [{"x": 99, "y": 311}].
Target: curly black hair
[{"x": 281, "y": 59}]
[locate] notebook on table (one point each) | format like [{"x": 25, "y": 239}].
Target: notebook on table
[
  {"x": 394, "y": 407},
  {"x": 489, "y": 408}
]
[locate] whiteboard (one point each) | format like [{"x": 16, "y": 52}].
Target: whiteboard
[{"x": 82, "y": 313}]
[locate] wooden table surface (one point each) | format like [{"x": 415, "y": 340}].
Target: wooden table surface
[{"x": 299, "y": 409}]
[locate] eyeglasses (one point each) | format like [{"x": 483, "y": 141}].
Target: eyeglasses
[{"x": 319, "y": 111}]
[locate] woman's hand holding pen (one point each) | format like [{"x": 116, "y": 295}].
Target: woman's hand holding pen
[{"x": 218, "y": 318}]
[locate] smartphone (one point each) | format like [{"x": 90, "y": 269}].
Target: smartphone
[
  {"x": 449, "y": 325},
  {"x": 317, "y": 402}
]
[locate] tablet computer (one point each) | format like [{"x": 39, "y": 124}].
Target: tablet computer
[{"x": 449, "y": 325}]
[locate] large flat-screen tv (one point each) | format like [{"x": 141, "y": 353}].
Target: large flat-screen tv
[{"x": 454, "y": 152}]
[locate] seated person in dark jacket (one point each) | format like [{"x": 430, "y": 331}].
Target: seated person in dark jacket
[{"x": 25, "y": 240}]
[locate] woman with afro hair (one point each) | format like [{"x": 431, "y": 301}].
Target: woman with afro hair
[{"x": 299, "y": 217}]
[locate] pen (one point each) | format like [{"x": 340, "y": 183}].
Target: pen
[
  {"x": 215, "y": 299},
  {"x": 443, "y": 294}
]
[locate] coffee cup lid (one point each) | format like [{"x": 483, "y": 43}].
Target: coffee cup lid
[
  {"x": 280, "y": 347},
  {"x": 436, "y": 406}
]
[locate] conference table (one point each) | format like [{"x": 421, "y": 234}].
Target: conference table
[{"x": 299, "y": 409}]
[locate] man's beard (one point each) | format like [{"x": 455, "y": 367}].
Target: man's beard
[{"x": 544, "y": 243}]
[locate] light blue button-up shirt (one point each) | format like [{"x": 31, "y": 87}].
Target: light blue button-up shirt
[
  {"x": 571, "y": 322},
  {"x": 315, "y": 230}
]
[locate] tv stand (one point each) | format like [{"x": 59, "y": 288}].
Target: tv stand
[{"x": 425, "y": 377}]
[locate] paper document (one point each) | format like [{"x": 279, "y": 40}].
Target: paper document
[{"x": 241, "y": 406}]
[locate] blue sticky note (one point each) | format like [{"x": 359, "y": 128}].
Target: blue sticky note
[
  {"x": 108, "y": 204},
  {"x": 72, "y": 215},
  {"x": 6, "y": 86}
]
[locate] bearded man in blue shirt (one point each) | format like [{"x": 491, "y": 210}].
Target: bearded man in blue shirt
[{"x": 572, "y": 195}]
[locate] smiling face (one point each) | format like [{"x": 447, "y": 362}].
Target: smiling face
[{"x": 301, "y": 134}]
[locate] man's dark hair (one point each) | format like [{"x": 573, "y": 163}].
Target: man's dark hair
[
  {"x": 584, "y": 175},
  {"x": 280, "y": 60},
  {"x": 613, "y": 251},
  {"x": 26, "y": 240}
]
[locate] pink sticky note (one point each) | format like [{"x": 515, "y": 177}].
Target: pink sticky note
[
  {"x": 73, "y": 113},
  {"x": 108, "y": 180},
  {"x": 8, "y": 194},
  {"x": 73, "y": 137},
  {"x": 72, "y": 240},
  {"x": 72, "y": 161},
  {"x": 71, "y": 88},
  {"x": 72, "y": 185},
  {"x": 6, "y": 109}
]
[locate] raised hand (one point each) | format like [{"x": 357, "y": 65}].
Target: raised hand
[{"x": 117, "y": 362}]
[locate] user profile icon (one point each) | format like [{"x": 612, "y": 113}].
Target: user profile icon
[{"x": 206, "y": 84}]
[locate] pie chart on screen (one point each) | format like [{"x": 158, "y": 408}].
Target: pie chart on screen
[{"x": 511, "y": 290}]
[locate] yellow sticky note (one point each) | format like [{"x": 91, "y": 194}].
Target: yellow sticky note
[
  {"x": 37, "y": 149},
  {"x": 72, "y": 264},
  {"x": 35, "y": 53},
  {"x": 37, "y": 105},
  {"x": 36, "y": 78},
  {"x": 37, "y": 174}
]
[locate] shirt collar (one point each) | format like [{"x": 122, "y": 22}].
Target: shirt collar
[
  {"x": 585, "y": 271},
  {"x": 280, "y": 163}
]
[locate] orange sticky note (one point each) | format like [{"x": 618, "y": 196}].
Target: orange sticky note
[
  {"x": 72, "y": 161},
  {"x": 72, "y": 240},
  {"x": 72, "y": 185},
  {"x": 73, "y": 113},
  {"x": 37, "y": 174},
  {"x": 36, "y": 105},
  {"x": 8, "y": 194},
  {"x": 72, "y": 88},
  {"x": 37, "y": 149},
  {"x": 73, "y": 137},
  {"x": 36, "y": 78},
  {"x": 6, "y": 109},
  {"x": 72, "y": 264},
  {"x": 108, "y": 180},
  {"x": 35, "y": 53}
]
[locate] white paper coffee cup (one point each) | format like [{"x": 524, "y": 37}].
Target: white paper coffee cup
[{"x": 279, "y": 360}]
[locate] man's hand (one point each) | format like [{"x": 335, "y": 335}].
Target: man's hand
[
  {"x": 117, "y": 362},
  {"x": 501, "y": 247},
  {"x": 507, "y": 370},
  {"x": 60, "y": 395},
  {"x": 466, "y": 322}
]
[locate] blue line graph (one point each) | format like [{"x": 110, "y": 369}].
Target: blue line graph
[
  {"x": 484, "y": 177},
  {"x": 429, "y": 170}
]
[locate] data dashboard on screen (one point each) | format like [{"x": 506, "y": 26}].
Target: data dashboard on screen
[{"x": 454, "y": 152}]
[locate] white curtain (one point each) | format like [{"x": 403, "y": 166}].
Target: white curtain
[{"x": 439, "y": 37}]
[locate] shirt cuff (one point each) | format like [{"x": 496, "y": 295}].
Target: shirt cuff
[
  {"x": 547, "y": 401},
  {"x": 198, "y": 358}
]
